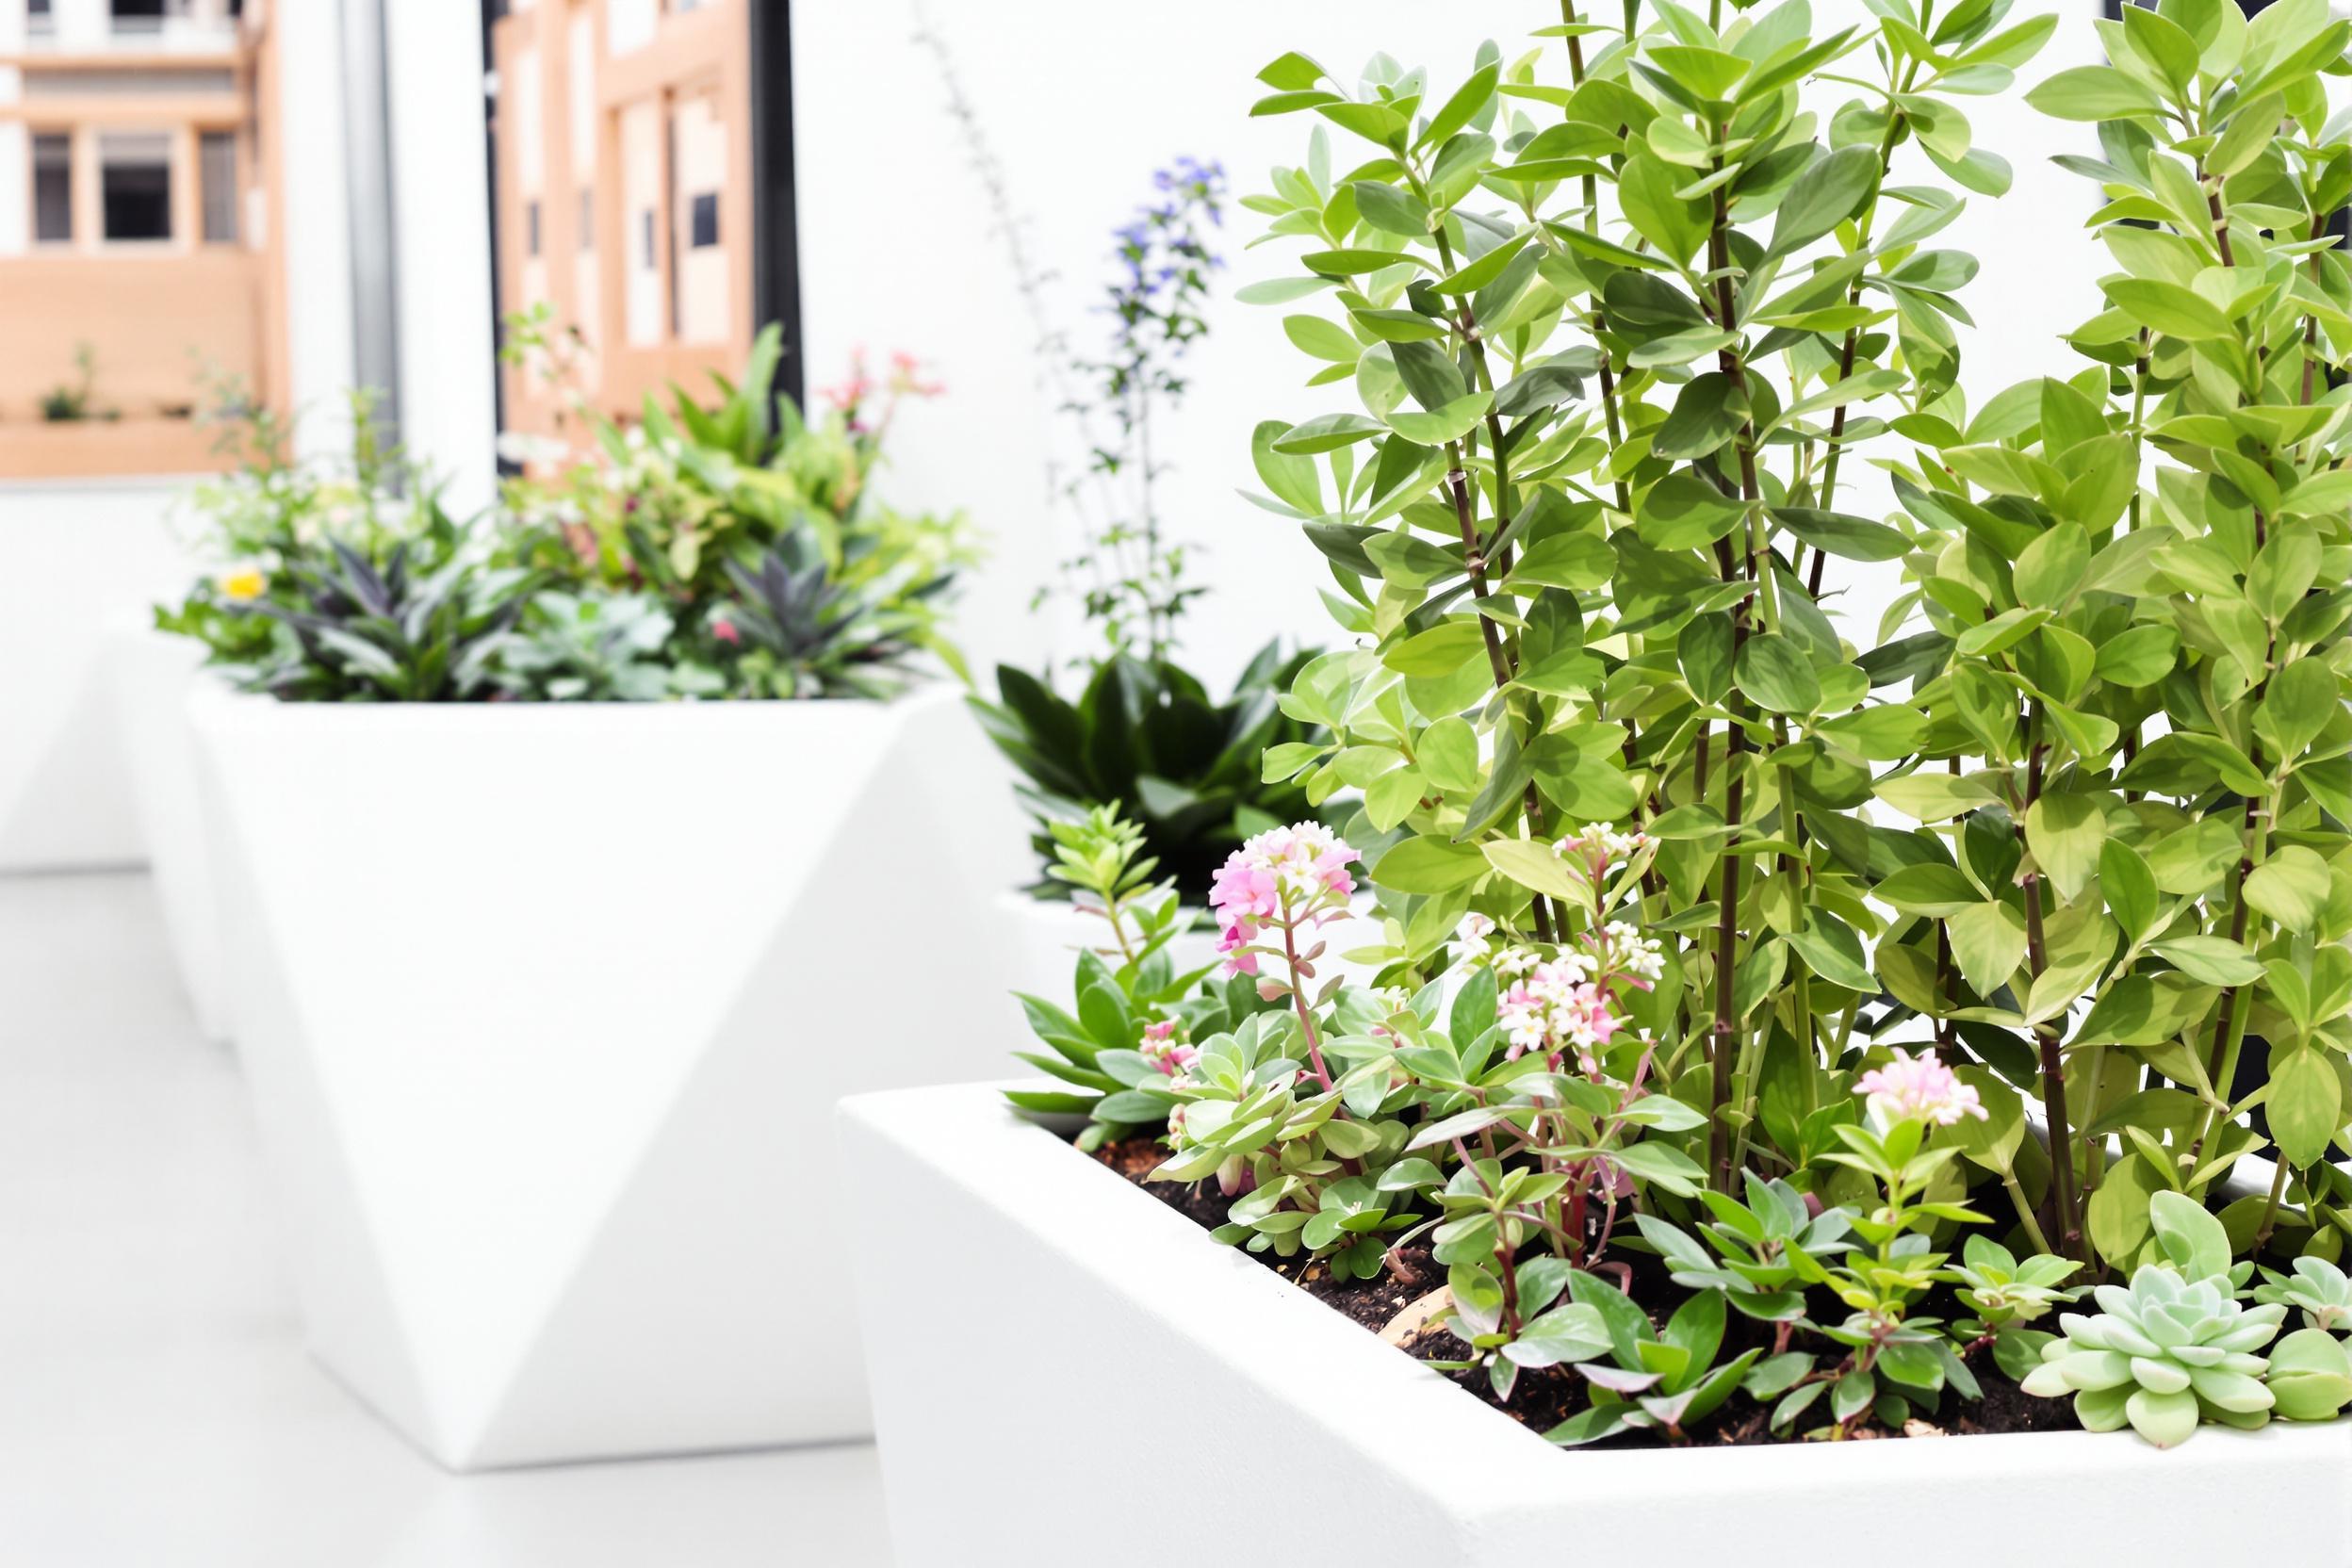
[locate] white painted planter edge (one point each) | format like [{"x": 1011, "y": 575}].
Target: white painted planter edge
[{"x": 1284, "y": 1386}]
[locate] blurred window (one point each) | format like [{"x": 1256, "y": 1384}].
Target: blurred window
[
  {"x": 53, "y": 186},
  {"x": 706, "y": 222},
  {"x": 216, "y": 169},
  {"x": 134, "y": 184}
]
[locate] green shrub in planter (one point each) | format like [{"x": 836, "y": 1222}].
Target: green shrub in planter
[
  {"x": 725, "y": 551},
  {"x": 1723, "y": 935}
]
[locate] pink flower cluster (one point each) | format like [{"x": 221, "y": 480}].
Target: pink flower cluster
[
  {"x": 1569, "y": 1002},
  {"x": 1553, "y": 1005},
  {"x": 1163, "y": 1050},
  {"x": 905, "y": 381},
  {"x": 1920, "y": 1089},
  {"x": 1283, "y": 879}
]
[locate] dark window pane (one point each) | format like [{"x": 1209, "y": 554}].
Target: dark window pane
[
  {"x": 530, "y": 226},
  {"x": 705, "y": 226},
  {"x": 649, "y": 238},
  {"x": 135, "y": 186},
  {"x": 53, "y": 188}
]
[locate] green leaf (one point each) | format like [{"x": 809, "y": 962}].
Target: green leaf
[
  {"x": 1830, "y": 948},
  {"x": 2190, "y": 1235},
  {"x": 1773, "y": 671},
  {"x": 2168, "y": 308},
  {"x": 1389, "y": 210},
  {"x": 1886, "y": 733},
  {"x": 1934, "y": 797},
  {"x": 2129, "y": 888},
  {"x": 1707, "y": 74},
  {"x": 1429, "y": 864},
  {"x": 1535, "y": 866},
  {"x": 1463, "y": 107},
  {"x": 2306, "y": 1106},
  {"x": 1929, "y": 888},
  {"x": 2283, "y": 572},
  {"x": 1988, "y": 944},
  {"x": 1842, "y": 534},
  {"x": 2093, "y": 92},
  {"x": 1439, "y": 651},
  {"x": 2165, "y": 44},
  {"x": 2140, "y": 657},
  {"x": 1708, "y": 413},
  {"x": 2050, "y": 568},
  {"x": 2067, "y": 833},
  {"x": 1448, "y": 754},
  {"x": 1476, "y": 275},
  {"x": 2214, "y": 961},
  {"x": 1677, "y": 225},
  {"x": 1824, "y": 196},
  {"x": 2289, "y": 887},
  {"x": 1323, "y": 339},
  {"x": 1683, "y": 511},
  {"x": 2300, "y": 701},
  {"x": 1325, "y": 433},
  {"x": 1446, "y": 424}
]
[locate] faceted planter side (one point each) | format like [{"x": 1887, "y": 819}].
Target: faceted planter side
[
  {"x": 1104, "y": 1349},
  {"x": 152, "y": 675},
  {"x": 81, "y": 552},
  {"x": 544, "y": 1007}
]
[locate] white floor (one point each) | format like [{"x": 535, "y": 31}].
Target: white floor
[{"x": 156, "y": 1410}]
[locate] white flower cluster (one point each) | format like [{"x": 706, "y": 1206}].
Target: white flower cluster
[{"x": 1602, "y": 844}]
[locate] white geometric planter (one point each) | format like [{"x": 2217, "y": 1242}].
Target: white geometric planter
[
  {"x": 1107, "y": 1358},
  {"x": 1042, "y": 938},
  {"x": 152, "y": 675},
  {"x": 80, "y": 553},
  {"x": 544, "y": 1007}
]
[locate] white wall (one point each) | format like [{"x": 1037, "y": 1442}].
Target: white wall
[
  {"x": 441, "y": 227},
  {"x": 318, "y": 220},
  {"x": 1082, "y": 100}
]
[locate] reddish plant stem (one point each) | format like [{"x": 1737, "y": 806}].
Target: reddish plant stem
[
  {"x": 2066, "y": 1212},
  {"x": 1722, "y": 1034}
]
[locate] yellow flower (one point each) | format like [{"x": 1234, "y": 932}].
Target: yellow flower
[{"x": 246, "y": 582}]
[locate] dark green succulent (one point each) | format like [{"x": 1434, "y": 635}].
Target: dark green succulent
[
  {"x": 420, "y": 621},
  {"x": 799, "y": 626},
  {"x": 1144, "y": 735}
]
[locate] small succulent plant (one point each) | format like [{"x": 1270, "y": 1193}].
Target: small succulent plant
[
  {"x": 2162, "y": 1354},
  {"x": 805, "y": 624},
  {"x": 2320, "y": 1290},
  {"x": 422, "y": 623}
]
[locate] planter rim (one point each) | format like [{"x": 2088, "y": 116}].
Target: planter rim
[
  {"x": 220, "y": 707},
  {"x": 1362, "y": 1390}
]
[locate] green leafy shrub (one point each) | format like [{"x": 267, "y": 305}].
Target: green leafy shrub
[
  {"x": 1897, "y": 981},
  {"x": 783, "y": 575},
  {"x": 732, "y": 551}
]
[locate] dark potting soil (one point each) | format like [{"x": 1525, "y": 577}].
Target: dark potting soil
[{"x": 1544, "y": 1398}]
